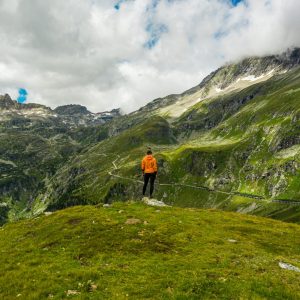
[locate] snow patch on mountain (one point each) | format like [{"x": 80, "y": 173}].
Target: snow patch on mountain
[{"x": 188, "y": 100}]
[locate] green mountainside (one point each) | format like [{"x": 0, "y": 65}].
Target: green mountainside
[
  {"x": 244, "y": 142},
  {"x": 231, "y": 143},
  {"x": 34, "y": 142},
  {"x": 133, "y": 251}
]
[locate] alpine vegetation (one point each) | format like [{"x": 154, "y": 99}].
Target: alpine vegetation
[
  {"x": 78, "y": 183},
  {"x": 230, "y": 143},
  {"x": 150, "y": 149}
]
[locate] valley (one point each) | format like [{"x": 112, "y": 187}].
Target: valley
[{"x": 236, "y": 149}]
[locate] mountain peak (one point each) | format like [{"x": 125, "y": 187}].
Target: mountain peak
[
  {"x": 72, "y": 109},
  {"x": 230, "y": 77},
  {"x": 254, "y": 67},
  {"x": 6, "y": 102}
]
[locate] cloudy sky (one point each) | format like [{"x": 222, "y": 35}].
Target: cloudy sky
[{"x": 106, "y": 54}]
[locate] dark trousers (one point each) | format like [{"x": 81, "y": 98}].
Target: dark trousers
[{"x": 152, "y": 177}]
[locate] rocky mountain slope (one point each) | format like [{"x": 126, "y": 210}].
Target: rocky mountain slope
[
  {"x": 230, "y": 143},
  {"x": 231, "y": 77},
  {"x": 16, "y": 114},
  {"x": 34, "y": 142}
]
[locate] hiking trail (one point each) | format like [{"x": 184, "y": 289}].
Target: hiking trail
[{"x": 200, "y": 187}]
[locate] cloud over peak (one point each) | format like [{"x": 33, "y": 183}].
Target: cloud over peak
[{"x": 106, "y": 54}]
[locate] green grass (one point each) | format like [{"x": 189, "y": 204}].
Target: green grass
[{"x": 172, "y": 254}]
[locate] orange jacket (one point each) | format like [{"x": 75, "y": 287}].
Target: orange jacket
[{"x": 149, "y": 164}]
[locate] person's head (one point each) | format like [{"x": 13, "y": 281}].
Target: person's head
[{"x": 149, "y": 152}]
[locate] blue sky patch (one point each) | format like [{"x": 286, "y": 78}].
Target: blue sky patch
[
  {"x": 22, "y": 95},
  {"x": 155, "y": 31},
  {"x": 235, "y": 2},
  {"x": 119, "y": 3},
  {"x": 153, "y": 5},
  {"x": 117, "y": 6},
  {"x": 153, "y": 28},
  {"x": 220, "y": 34}
]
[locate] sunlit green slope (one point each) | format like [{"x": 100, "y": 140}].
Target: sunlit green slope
[
  {"x": 132, "y": 251},
  {"x": 244, "y": 142}
]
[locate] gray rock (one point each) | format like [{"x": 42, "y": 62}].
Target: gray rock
[{"x": 287, "y": 266}]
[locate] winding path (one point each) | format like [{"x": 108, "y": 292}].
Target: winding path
[{"x": 200, "y": 187}]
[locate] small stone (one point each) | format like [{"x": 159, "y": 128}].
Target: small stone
[
  {"x": 232, "y": 241},
  {"x": 72, "y": 292},
  {"x": 94, "y": 287},
  {"x": 19, "y": 295},
  {"x": 289, "y": 267},
  {"x": 50, "y": 296},
  {"x": 146, "y": 223},
  {"x": 133, "y": 221},
  {"x": 120, "y": 211},
  {"x": 154, "y": 202},
  {"x": 106, "y": 205}
]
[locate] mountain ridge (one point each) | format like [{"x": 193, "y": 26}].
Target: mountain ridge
[
  {"x": 221, "y": 78},
  {"x": 244, "y": 139},
  {"x": 72, "y": 114}
]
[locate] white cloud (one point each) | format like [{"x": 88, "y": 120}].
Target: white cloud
[{"x": 87, "y": 52}]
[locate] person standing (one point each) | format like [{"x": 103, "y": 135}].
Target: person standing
[{"x": 149, "y": 169}]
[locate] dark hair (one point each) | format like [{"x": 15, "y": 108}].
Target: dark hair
[{"x": 149, "y": 152}]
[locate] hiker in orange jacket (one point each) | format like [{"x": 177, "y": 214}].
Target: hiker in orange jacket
[{"x": 149, "y": 168}]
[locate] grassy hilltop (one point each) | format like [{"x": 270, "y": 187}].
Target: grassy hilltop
[{"x": 132, "y": 251}]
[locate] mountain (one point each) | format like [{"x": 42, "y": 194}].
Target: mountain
[
  {"x": 133, "y": 251},
  {"x": 232, "y": 143},
  {"x": 34, "y": 142},
  {"x": 228, "y": 78},
  {"x": 16, "y": 114}
]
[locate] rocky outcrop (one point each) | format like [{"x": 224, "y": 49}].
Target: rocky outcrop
[
  {"x": 6, "y": 102},
  {"x": 72, "y": 109}
]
